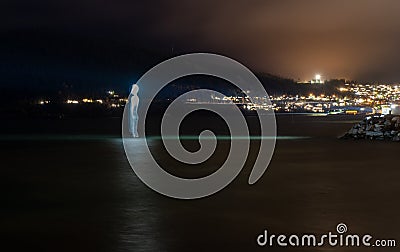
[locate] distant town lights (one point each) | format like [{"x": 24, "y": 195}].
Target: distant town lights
[
  {"x": 86, "y": 100},
  {"x": 318, "y": 77}
]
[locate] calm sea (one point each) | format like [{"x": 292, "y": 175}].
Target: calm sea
[{"x": 66, "y": 185}]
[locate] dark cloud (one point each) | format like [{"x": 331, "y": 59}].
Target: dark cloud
[{"x": 354, "y": 39}]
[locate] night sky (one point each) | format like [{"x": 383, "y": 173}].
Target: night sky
[{"x": 116, "y": 41}]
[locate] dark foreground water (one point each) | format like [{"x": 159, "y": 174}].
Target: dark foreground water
[{"x": 68, "y": 187}]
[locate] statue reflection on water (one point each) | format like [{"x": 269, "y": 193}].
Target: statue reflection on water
[{"x": 133, "y": 103}]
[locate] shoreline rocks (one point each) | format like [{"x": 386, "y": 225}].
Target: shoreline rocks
[{"x": 376, "y": 127}]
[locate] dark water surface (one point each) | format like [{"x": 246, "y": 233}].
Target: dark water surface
[{"x": 67, "y": 186}]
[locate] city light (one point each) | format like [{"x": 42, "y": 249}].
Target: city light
[
  {"x": 42, "y": 102},
  {"x": 352, "y": 98}
]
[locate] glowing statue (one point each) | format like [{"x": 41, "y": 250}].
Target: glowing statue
[{"x": 133, "y": 111}]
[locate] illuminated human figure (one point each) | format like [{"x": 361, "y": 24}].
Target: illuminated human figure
[{"x": 133, "y": 111}]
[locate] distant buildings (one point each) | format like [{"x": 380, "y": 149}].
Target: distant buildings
[
  {"x": 317, "y": 80},
  {"x": 111, "y": 100},
  {"x": 344, "y": 98},
  {"x": 392, "y": 109}
]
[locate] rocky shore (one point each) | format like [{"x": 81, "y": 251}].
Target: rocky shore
[{"x": 376, "y": 127}]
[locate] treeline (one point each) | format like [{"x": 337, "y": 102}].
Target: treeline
[{"x": 274, "y": 85}]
